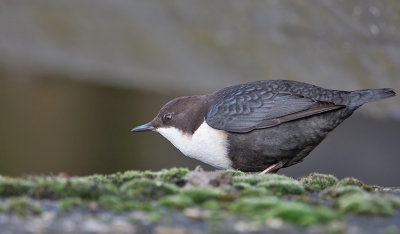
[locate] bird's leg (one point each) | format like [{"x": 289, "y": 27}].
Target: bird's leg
[{"x": 274, "y": 168}]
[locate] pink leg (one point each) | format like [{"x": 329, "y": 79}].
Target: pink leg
[{"x": 274, "y": 168}]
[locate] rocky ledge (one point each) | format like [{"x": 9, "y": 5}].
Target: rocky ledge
[{"x": 182, "y": 201}]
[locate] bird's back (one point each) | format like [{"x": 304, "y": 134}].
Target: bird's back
[{"x": 294, "y": 134}]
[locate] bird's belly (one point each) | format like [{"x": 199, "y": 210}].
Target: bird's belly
[{"x": 291, "y": 141}]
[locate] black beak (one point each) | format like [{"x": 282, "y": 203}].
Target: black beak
[{"x": 143, "y": 128}]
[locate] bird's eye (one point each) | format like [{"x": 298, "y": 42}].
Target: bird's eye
[{"x": 167, "y": 117}]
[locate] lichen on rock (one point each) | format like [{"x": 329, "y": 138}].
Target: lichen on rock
[
  {"x": 318, "y": 182},
  {"x": 217, "y": 199}
]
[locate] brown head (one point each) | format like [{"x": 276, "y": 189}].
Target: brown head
[{"x": 184, "y": 113}]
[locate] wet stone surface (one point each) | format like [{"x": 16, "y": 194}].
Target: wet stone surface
[{"x": 182, "y": 201}]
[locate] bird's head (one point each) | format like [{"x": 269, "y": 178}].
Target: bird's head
[{"x": 183, "y": 113}]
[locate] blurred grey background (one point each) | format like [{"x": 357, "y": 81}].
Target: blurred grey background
[{"x": 77, "y": 75}]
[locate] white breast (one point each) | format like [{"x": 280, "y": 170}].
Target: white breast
[{"x": 206, "y": 144}]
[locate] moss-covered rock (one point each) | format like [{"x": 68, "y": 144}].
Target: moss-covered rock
[
  {"x": 151, "y": 196},
  {"x": 178, "y": 201},
  {"x": 212, "y": 205},
  {"x": 254, "y": 179},
  {"x": 302, "y": 214},
  {"x": 253, "y": 205},
  {"x": 120, "y": 204},
  {"x": 117, "y": 178},
  {"x": 368, "y": 204},
  {"x": 57, "y": 188},
  {"x": 200, "y": 195},
  {"x": 70, "y": 203},
  {"x": 14, "y": 187},
  {"x": 335, "y": 192},
  {"x": 283, "y": 187},
  {"x": 22, "y": 206},
  {"x": 350, "y": 181},
  {"x": 260, "y": 209},
  {"x": 253, "y": 192},
  {"x": 242, "y": 185},
  {"x": 146, "y": 189},
  {"x": 318, "y": 182},
  {"x": 172, "y": 175},
  {"x": 166, "y": 175},
  {"x": 234, "y": 173},
  {"x": 354, "y": 182}
]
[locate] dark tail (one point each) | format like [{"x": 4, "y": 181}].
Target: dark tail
[{"x": 372, "y": 95}]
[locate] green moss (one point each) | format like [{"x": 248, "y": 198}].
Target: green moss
[
  {"x": 118, "y": 179},
  {"x": 247, "y": 179},
  {"x": 113, "y": 203},
  {"x": 200, "y": 195},
  {"x": 211, "y": 205},
  {"x": 368, "y": 204},
  {"x": 254, "y": 179},
  {"x": 145, "y": 189},
  {"x": 335, "y": 192},
  {"x": 47, "y": 188},
  {"x": 276, "y": 177},
  {"x": 284, "y": 187},
  {"x": 173, "y": 174},
  {"x": 165, "y": 175},
  {"x": 260, "y": 209},
  {"x": 353, "y": 182},
  {"x": 178, "y": 201},
  {"x": 57, "y": 188},
  {"x": 86, "y": 190},
  {"x": 14, "y": 187},
  {"x": 234, "y": 173},
  {"x": 350, "y": 181},
  {"x": 241, "y": 185},
  {"x": 318, "y": 182},
  {"x": 253, "y": 192},
  {"x": 301, "y": 214},
  {"x": 119, "y": 204},
  {"x": 253, "y": 205},
  {"x": 22, "y": 206},
  {"x": 254, "y": 196},
  {"x": 70, "y": 203}
]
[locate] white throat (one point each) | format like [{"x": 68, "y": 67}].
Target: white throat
[{"x": 206, "y": 144}]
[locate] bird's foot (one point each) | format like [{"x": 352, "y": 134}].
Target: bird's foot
[{"x": 274, "y": 168}]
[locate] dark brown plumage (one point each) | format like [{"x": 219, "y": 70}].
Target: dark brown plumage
[{"x": 257, "y": 126}]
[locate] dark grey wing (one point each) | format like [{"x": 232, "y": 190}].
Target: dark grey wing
[
  {"x": 240, "y": 111},
  {"x": 246, "y": 111}
]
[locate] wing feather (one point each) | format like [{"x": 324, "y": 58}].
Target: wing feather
[{"x": 246, "y": 109}]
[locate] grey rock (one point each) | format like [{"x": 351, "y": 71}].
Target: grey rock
[{"x": 201, "y": 178}]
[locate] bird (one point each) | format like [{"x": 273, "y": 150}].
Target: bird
[{"x": 259, "y": 126}]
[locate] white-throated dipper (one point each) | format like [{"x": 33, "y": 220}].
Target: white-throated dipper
[{"x": 259, "y": 126}]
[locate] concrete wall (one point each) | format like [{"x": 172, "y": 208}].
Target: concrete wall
[{"x": 76, "y": 76}]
